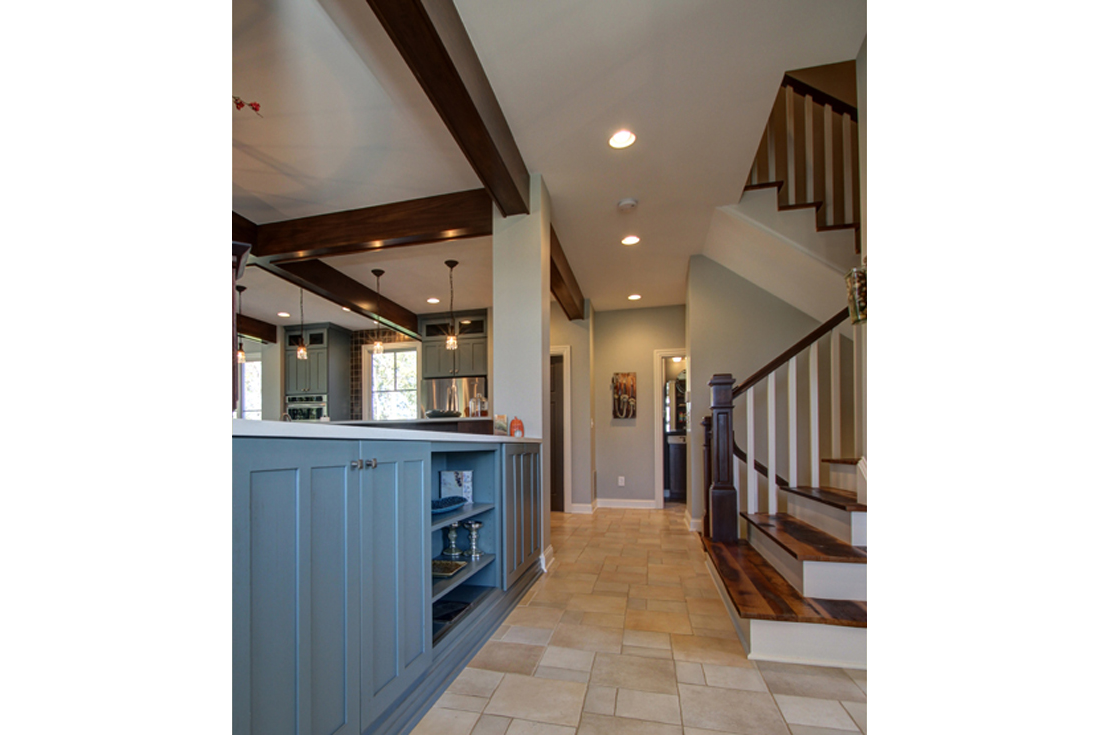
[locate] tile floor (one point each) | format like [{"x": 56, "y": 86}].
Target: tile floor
[{"x": 627, "y": 636}]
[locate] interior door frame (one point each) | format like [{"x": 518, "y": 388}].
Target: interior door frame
[
  {"x": 567, "y": 424},
  {"x": 659, "y": 422}
]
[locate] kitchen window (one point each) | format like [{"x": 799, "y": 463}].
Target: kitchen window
[
  {"x": 251, "y": 381},
  {"x": 393, "y": 384}
]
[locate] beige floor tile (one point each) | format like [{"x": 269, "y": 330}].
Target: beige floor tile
[
  {"x": 640, "y": 705},
  {"x": 463, "y": 702},
  {"x": 600, "y": 700},
  {"x": 572, "y": 617},
  {"x": 526, "y": 727},
  {"x": 515, "y": 658},
  {"x": 619, "y": 589},
  {"x": 541, "y": 700},
  {"x": 476, "y": 682},
  {"x": 621, "y": 577},
  {"x": 711, "y": 622},
  {"x": 730, "y": 710},
  {"x": 604, "y": 620},
  {"x": 439, "y": 721},
  {"x": 708, "y": 650},
  {"x": 734, "y": 677},
  {"x": 550, "y": 672},
  {"x": 647, "y": 652},
  {"x": 646, "y": 639},
  {"x": 701, "y": 731},
  {"x": 672, "y": 606},
  {"x": 690, "y": 673},
  {"x": 811, "y": 730},
  {"x": 858, "y": 712},
  {"x": 571, "y": 586},
  {"x": 657, "y": 592},
  {"x": 595, "y": 724},
  {"x": 726, "y": 633},
  {"x": 597, "y": 603},
  {"x": 587, "y": 638},
  {"x": 815, "y": 712},
  {"x": 568, "y": 658},
  {"x": 636, "y": 603},
  {"x": 636, "y": 672},
  {"x": 534, "y": 617},
  {"x": 658, "y": 622},
  {"x": 530, "y": 636},
  {"x": 491, "y": 725},
  {"x": 859, "y": 677},
  {"x": 702, "y": 606},
  {"x": 810, "y": 681},
  {"x": 500, "y": 632}
]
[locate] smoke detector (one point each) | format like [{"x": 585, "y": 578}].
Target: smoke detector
[{"x": 628, "y": 205}]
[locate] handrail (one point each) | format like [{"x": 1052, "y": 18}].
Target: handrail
[
  {"x": 802, "y": 344},
  {"x": 839, "y": 105}
]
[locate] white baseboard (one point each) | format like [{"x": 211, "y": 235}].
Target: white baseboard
[
  {"x": 693, "y": 524},
  {"x": 624, "y": 503},
  {"x": 546, "y": 558},
  {"x": 586, "y": 508}
]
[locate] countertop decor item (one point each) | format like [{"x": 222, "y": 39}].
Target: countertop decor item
[
  {"x": 452, "y": 551},
  {"x": 435, "y": 413},
  {"x": 445, "y": 505},
  {"x": 473, "y": 553},
  {"x": 500, "y": 424},
  {"x": 441, "y": 568},
  {"x": 516, "y": 427},
  {"x": 456, "y": 483}
]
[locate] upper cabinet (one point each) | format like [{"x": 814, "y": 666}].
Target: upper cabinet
[
  {"x": 326, "y": 372},
  {"x": 472, "y": 357}
]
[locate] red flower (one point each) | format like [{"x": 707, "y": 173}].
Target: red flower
[
  {"x": 238, "y": 102},
  {"x": 255, "y": 106}
]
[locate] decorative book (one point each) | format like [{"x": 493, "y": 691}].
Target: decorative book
[{"x": 457, "y": 483}]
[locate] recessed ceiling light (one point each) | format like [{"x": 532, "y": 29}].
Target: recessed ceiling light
[
  {"x": 631, "y": 240},
  {"x": 347, "y": 309},
  {"x": 465, "y": 321},
  {"x": 677, "y": 359},
  {"x": 634, "y": 297},
  {"x": 433, "y": 300},
  {"x": 621, "y": 139},
  {"x": 283, "y": 314}
]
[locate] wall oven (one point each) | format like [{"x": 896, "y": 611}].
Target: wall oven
[{"x": 307, "y": 407}]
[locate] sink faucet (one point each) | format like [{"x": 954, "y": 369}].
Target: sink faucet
[{"x": 285, "y": 417}]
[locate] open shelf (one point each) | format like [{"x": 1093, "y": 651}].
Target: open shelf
[
  {"x": 443, "y": 585},
  {"x": 472, "y": 596},
  {"x": 441, "y": 520}
]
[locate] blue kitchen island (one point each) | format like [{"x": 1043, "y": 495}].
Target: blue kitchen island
[{"x": 339, "y": 627}]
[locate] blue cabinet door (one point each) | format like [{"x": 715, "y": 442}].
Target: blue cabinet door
[
  {"x": 395, "y": 584},
  {"x": 295, "y": 587},
  {"x": 522, "y": 510}
]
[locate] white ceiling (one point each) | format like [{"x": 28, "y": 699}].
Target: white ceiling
[{"x": 345, "y": 125}]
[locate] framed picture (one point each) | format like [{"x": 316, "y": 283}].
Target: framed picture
[
  {"x": 458, "y": 483},
  {"x": 624, "y": 399}
]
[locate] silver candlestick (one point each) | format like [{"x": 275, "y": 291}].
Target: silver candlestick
[
  {"x": 473, "y": 552},
  {"x": 452, "y": 551}
]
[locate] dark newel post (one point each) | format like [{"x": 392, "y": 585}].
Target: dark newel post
[
  {"x": 725, "y": 507},
  {"x": 706, "y": 476}
]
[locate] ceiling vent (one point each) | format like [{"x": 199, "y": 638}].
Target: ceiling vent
[{"x": 628, "y": 205}]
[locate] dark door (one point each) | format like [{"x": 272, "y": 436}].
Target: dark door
[{"x": 557, "y": 434}]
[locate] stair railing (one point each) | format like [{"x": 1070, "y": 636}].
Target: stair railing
[
  {"x": 810, "y": 153},
  {"x": 723, "y": 489}
]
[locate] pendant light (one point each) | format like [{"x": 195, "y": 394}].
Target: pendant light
[
  {"x": 452, "y": 336},
  {"x": 303, "y": 353},
  {"x": 378, "y": 348},
  {"x": 240, "y": 345}
]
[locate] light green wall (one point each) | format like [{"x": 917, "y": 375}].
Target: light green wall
[{"x": 624, "y": 342}]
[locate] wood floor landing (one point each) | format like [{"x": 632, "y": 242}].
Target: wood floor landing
[
  {"x": 834, "y": 496},
  {"x": 760, "y": 593},
  {"x": 803, "y": 541}
]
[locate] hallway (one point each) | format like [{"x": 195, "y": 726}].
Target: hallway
[{"x": 627, "y": 636}]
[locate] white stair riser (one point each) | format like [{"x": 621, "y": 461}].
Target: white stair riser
[
  {"x": 850, "y": 526},
  {"x": 814, "y": 644},
  {"x": 824, "y": 579},
  {"x": 842, "y": 476}
]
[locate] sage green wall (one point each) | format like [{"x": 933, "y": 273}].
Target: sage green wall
[
  {"x": 736, "y": 327},
  {"x": 624, "y": 342}
]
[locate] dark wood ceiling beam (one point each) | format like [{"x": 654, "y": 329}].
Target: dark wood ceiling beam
[
  {"x": 415, "y": 222},
  {"x": 250, "y": 327},
  {"x": 328, "y": 283},
  {"x": 563, "y": 284},
  {"x": 244, "y": 230},
  {"x": 431, "y": 38}
]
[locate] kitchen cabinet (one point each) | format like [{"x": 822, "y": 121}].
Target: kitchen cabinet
[
  {"x": 331, "y": 584},
  {"x": 471, "y": 359},
  {"x": 327, "y": 372},
  {"x": 522, "y": 501},
  {"x": 339, "y": 626}
]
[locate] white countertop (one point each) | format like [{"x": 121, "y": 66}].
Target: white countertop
[{"x": 329, "y": 430}]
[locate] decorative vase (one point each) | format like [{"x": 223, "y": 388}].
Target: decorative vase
[
  {"x": 452, "y": 551},
  {"x": 473, "y": 552}
]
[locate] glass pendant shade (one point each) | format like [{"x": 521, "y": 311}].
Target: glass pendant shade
[
  {"x": 452, "y": 342},
  {"x": 378, "y": 347},
  {"x": 240, "y": 353},
  {"x": 303, "y": 354}
]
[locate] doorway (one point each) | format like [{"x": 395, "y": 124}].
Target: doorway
[
  {"x": 672, "y": 419},
  {"x": 557, "y": 433}
]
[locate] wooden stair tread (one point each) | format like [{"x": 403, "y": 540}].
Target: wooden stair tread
[
  {"x": 803, "y": 541},
  {"x": 834, "y": 496},
  {"x": 759, "y": 592},
  {"x": 842, "y": 460}
]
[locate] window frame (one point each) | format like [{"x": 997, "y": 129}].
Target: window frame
[{"x": 367, "y": 378}]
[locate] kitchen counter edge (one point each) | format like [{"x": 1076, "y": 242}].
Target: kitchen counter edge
[{"x": 325, "y": 430}]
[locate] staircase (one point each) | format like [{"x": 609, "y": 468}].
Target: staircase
[
  {"x": 791, "y": 556},
  {"x": 809, "y": 154}
]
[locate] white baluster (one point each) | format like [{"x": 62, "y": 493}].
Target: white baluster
[
  {"x": 830, "y": 154},
  {"x": 834, "y": 391},
  {"x": 815, "y": 418},
  {"x": 792, "y": 422},
  {"x": 750, "y": 449},
  {"x": 773, "y": 492}
]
